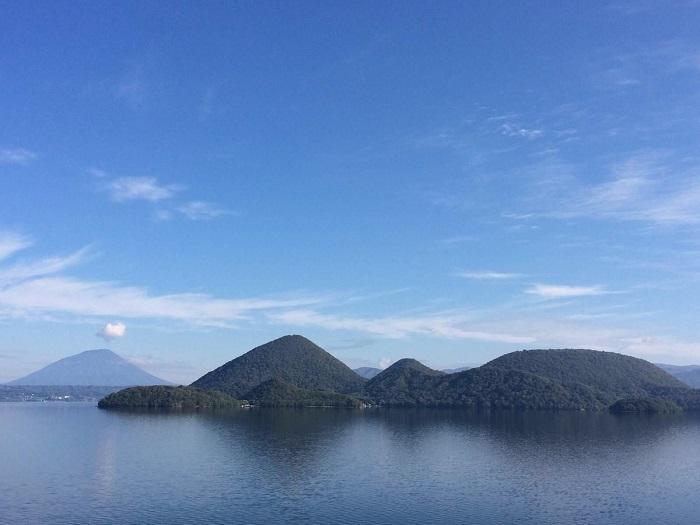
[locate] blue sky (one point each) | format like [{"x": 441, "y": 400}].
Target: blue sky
[{"x": 448, "y": 181}]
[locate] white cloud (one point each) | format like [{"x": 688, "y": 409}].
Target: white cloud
[
  {"x": 488, "y": 275},
  {"x": 31, "y": 289},
  {"x": 67, "y": 295},
  {"x": 445, "y": 325},
  {"x": 11, "y": 242},
  {"x": 654, "y": 347},
  {"x": 512, "y": 130},
  {"x": 46, "y": 266},
  {"x": 200, "y": 210},
  {"x": 18, "y": 156},
  {"x": 111, "y": 331},
  {"x": 558, "y": 291},
  {"x": 641, "y": 188},
  {"x": 141, "y": 188},
  {"x": 384, "y": 362}
]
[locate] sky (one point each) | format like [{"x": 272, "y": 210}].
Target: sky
[{"x": 447, "y": 181}]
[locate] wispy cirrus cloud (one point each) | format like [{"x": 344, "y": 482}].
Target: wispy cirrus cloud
[
  {"x": 202, "y": 210},
  {"x": 650, "y": 187},
  {"x": 12, "y": 242},
  {"x": 488, "y": 275},
  {"x": 443, "y": 325},
  {"x": 645, "y": 65},
  {"x": 152, "y": 190},
  {"x": 559, "y": 291},
  {"x": 18, "y": 156},
  {"x": 643, "y": 189},
  {"x": 67, "y": 295},
  {"x": 36, "y": 288},
  {"x": 141, "y": 188},
  {"x": 46, "y": 266},
  {"x": 513, "y": 130}
]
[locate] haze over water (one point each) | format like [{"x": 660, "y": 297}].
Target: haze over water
[{"x": 70, "y": 463}]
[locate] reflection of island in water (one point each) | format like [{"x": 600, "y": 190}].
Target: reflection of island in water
[{"x": 73, "y": 463}]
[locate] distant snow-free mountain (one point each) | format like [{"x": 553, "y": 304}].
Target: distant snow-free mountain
[
  {"x": 368, "y": 372},
  {"x": 689, "y": 374},
  {"x": 456, "y": 370},
  {"x": 93, "y": 367}
]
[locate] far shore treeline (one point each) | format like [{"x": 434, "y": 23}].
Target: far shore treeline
[{"x": 294, "y": 372}]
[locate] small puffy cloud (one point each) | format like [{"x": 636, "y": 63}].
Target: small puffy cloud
[
  {"x": 558, "y": 291},
  {"x": 141, "y": 188},
  {"x": 18, "y": 156},
  {"x": 112, "y": 331}
]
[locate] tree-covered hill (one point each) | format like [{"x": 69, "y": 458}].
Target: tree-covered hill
[
  {"x": 476, "y": 388},
  {"x": 277, "y": 393},
  {"x": 610, "y": 374},
  {"x": 167, "y": 397},
  {"x": 406, "y": 382},
  {"x": 292, "y": 359},
  {"x": 535, "y": 379},
  {"x": 686, "y": 398},
  {"x": 485, "y": 387},
  {"x": 293, "y": 371},
  {"x": 645, "y": 405}
]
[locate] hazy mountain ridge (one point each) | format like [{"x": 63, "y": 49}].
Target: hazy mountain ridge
[
  {"x": 456, "y": 370},
  {"x": 90, "y": 368},
  {"x": 688, "y": 374},
  {"x": 367, "y": 372}
]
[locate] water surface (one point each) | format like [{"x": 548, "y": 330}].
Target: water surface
[{"x": 73, "y": 463}]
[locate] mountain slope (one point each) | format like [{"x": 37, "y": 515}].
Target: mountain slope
[
  {"x": 535, "y": 379},
  {"x": 292, "y": 359},
  {"x": 277, "y": 393},
  {"x": 494, "y": 387},
  {"x": 689, "y": 374},
  {"x": 93, "y": 367},
  {"x": 406, "y": 382},
  {"x": 367, "y": 372},
  {"x": 612, "y": 375}
]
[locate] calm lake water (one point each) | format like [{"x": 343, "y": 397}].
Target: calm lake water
[{"x": 74, "y": 463}]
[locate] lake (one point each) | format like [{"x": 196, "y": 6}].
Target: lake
[{"x": 73, "y": 463}]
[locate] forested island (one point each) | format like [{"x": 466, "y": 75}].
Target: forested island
[
  {"x": 168, "y": 397},
  {"x": 294, "y": 372}
]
